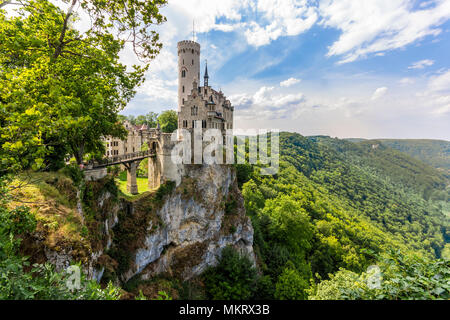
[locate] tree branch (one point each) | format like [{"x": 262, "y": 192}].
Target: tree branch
[{"x": 60, "y": 46}]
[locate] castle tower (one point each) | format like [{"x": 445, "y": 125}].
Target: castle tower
[{"x": 188, "y": 68}]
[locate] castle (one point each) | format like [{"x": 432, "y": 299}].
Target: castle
[
  {"x": 195, "y": 102},
  {"x": 196, "y": 105},
  {"x": 135, "y": 138}
]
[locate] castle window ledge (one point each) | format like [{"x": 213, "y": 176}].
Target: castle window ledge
[{"x": 214, "y": 114}]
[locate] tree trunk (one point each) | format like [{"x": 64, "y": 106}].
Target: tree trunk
[{"x": 78, "y": 153}]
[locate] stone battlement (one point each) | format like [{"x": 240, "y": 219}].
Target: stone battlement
[{"x": 188, "y": 43}]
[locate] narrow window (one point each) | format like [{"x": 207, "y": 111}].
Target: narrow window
[{"x": 183, "y": 89}]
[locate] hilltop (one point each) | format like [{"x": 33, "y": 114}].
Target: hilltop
[{"x": 436, "y": 153}]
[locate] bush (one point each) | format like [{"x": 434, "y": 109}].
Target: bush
[
  {"x": 73, "y": 172},
  {"x": 400, "y": 278},
  {"x": 17, "y": 281},
  {"x": 233, "y": 278},
  {"x": 291, "y": 285}
]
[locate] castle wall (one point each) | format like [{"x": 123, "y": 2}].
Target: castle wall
[{"x": 206, "y": 104}]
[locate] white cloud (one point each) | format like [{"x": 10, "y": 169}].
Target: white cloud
[
  {"x": 406, "y": 81},
  {"x": 279, "y": 18},
  {"x": 380, "y": 92},
  {"x": 289, "y": 82},
  {"x": 421, "y": 64},
  {"x": 155, "y": 89},
  {"x": 265, "y": 103},
  {"x": 440, "y": 83},
  {"x": 374, "y": 26},
  {"x": 437, "y": 94}
]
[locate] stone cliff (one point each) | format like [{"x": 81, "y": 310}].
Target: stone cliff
[{"x": 177, "y": 230}]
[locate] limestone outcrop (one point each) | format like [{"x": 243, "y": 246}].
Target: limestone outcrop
[{"x": 204, "y": 214}]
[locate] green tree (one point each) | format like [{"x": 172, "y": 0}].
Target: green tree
[
  {"x": 291, "y": 285},
  {"x": 399, "y": 277},
  {"x": 290, "y": 223},
  {"x": 149, "y": 119},
  {"x": 61, "y": 89},
  {"x": 233, "y": 278},
  {"x": 168, "y": 120}
]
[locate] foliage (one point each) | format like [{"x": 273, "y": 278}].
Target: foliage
[
  {"x": 164, "y": 190},
  {"x": 434, "y": 152},
  {"x": 401, "y": 278},
  {"x": 233, "y": 278},
  {"x": 19, "y": 279},
  {"x": 168, "y": 120},
  {"x": 336, "y": 205},
  {"x": 60, "y": 88},
  {"x": 291, "y": 285},
  {"x": 162, "y": 295},
  {"x": 150, "y": 119}
]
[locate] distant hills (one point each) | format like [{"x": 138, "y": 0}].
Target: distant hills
[{"x": 433, "y": 152}]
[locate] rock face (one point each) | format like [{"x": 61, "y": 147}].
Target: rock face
[
  {"x": 179, "y": 229},
  {"x": 204, "y": 214}
]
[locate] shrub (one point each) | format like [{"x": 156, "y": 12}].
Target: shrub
[{"x": 233, "y": 278}]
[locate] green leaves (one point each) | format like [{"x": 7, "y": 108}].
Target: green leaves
[
  {"x": 233, "y": 278},
  {"x": 168, "y": 120},
  {"x": 402, "y": 278},
  {"x": 61, "y": 89},
  {"x": 42, "y": 282}
]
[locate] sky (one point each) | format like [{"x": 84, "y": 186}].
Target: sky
[{"x": 344, "y": 68}]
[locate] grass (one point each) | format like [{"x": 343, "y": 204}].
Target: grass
[
  {"x": 51, "y": 197},
  {"x": 142, "y": 184}
]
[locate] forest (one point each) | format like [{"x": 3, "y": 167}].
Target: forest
[
  {"x": 337, "y": 217},
  {"x": 336, "y": 208}
]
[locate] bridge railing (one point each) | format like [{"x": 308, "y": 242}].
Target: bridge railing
[
  {"x": 120, "y": 158},
  {"x": 128, "y": 156}
]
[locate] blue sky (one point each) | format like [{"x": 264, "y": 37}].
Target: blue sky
[{"x": 345, "y": 68}]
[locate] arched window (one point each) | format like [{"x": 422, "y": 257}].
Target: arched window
[
  {"x": 183, "y": 73},
  {"x": 192, "y": 51}
]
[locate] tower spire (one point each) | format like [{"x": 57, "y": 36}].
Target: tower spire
[{"x": 206, "y": 77}]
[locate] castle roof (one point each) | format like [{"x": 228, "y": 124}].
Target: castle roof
[{"x": 206, "y": 70}]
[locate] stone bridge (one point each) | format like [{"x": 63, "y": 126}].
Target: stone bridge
[
  {"x": 129, "y": 160},
  {"x": 160, "y": 166}
]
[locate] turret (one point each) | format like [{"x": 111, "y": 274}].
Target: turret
[
  {"x": 206, "y": 77},
  {"x": 188, "y": 68}
]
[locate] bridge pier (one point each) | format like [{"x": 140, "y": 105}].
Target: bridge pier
[
  {"x": 154, "y": 173},
  {"x": 131, "y": 177}
]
